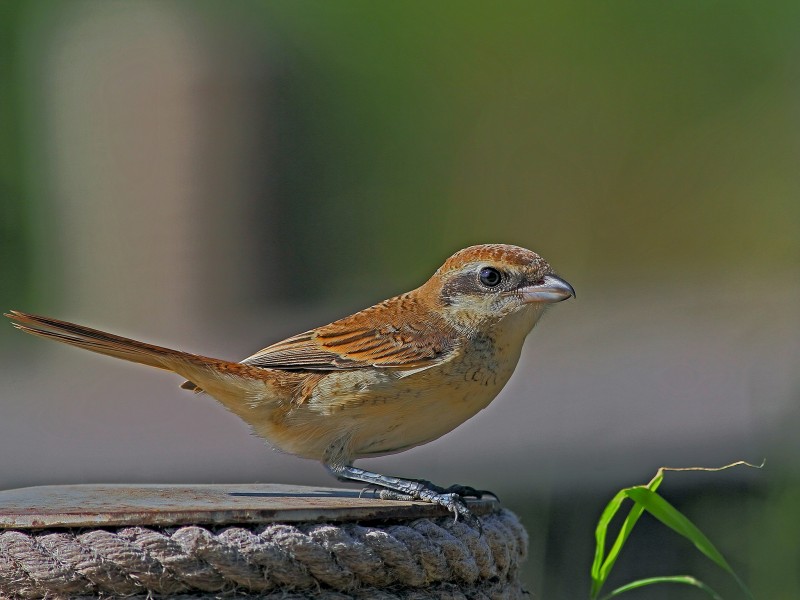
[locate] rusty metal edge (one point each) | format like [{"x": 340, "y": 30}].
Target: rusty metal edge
[
  {"x": 45, "y": 517},
  {"x": 405, "y": 512}
]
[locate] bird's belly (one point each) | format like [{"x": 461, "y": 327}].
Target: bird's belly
[
  {"x": 423, "y": 409},
  {"x": 351, "y": 419},
  {"x": 398, "y": 426},
  {"x": 371, "y": 412}
]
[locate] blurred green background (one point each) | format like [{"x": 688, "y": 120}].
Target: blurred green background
[{"x": 215, "y": 176}]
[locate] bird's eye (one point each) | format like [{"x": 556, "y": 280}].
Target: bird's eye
[{"x": 490, "y": 277}]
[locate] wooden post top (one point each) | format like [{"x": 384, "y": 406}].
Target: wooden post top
[{"x": 125, "y": 505}]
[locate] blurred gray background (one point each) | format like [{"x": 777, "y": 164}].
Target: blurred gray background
[{"x": 215, "y": 177}]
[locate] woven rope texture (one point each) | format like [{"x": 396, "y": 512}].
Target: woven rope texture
[{"x": 426, "y": 558}]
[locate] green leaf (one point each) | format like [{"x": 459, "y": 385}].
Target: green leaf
[
  {"x": 601, "y": 567},
  {"x": 645, "y": 498},
  {"x": 675, "y": 520},
  {"x": 681, "y": 579}
]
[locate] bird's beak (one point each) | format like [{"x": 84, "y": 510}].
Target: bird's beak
[{"x": 551, "y": 289}]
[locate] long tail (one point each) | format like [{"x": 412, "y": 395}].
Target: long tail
[{"x": 201, "y": 371}]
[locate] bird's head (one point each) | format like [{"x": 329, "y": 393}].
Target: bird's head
[{"x": 483, "y": 284}]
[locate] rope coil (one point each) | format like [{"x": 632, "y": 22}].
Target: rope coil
[{"x": 421, "y": 559}]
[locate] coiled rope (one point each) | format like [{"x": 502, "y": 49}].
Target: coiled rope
[{"x": 420, "y": 559}]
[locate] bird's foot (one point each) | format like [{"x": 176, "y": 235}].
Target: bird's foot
[
  {"x": 465, "y": 491},
  {"x": 452, "y": 501},
  {"x": 396, "y": 488}
]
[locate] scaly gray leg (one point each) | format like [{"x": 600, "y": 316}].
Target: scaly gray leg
[
  {"x": 395, "y": 488},
  {"x": 465, "y": 491}
]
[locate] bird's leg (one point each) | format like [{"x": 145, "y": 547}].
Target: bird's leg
[
  {"x": 465, "y": 491},
  {"x": 395, "y": 488}
]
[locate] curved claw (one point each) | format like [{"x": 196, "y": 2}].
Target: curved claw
[
  {"x": 370, "y": 488},
  {"x": 455, "y": 504},
  {"x": 466, "y": 491}
]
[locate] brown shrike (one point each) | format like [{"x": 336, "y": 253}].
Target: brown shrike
[{"x": 388, "y": 378}]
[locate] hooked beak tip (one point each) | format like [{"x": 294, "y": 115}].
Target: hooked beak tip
[{"x": 551, "y": 289}]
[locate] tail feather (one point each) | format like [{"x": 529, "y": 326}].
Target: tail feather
[
  {"x": 93, "y": 340},
  {"x": 198, "y": 369},
  {"x": 98, "y": 341}
]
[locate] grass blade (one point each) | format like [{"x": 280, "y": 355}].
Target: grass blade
[
  {"x": 602, "y": 564},
  {"x": 680, "y": 579},
  {"x": 645, "y": 498},
  {"x": 598, "y": 573},
  {"x": 675, "y": 520}
]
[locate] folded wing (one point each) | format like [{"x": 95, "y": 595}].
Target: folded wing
[{"x": 385, "y": 336}]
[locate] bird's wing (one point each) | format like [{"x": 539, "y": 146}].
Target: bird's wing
[{"x": 386, "y": 335}]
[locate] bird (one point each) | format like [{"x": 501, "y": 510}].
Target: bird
[{"x": 388, "y": 378}]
